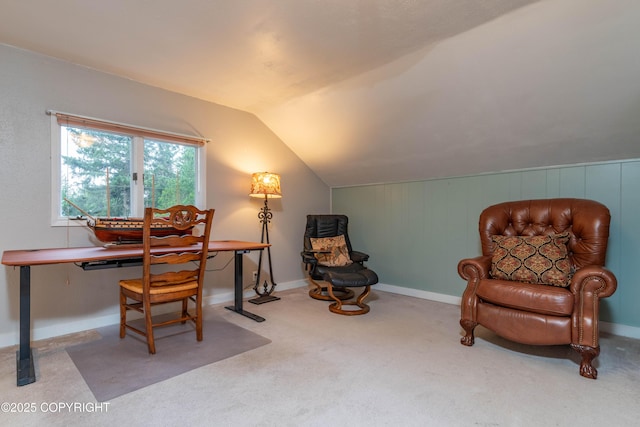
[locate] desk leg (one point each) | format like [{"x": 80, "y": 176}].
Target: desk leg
[
  {"x": 24, "y": 356},
  {"x": 237, "y": 307}
]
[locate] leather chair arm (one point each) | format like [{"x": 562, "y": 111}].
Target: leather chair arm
[
  {"x": 474, "y": 268},
  {"x": 308, "y": 257},
  {"x": 588, "y": 285},
  {"x": 359, "y": 257},
  {"x": 593, "y": 281}
]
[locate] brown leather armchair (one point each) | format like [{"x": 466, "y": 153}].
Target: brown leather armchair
[{"x": 538, "y": 313}]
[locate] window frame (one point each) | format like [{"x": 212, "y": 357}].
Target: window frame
[{"x": 137, "y": 165}]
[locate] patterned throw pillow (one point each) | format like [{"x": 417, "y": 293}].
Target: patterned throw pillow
[
  {"x": 534, "y": 259},
  {"x": 337, "y": 254}
]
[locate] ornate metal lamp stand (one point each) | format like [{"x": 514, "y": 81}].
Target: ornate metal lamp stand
[{"x": 268, "y": 185}]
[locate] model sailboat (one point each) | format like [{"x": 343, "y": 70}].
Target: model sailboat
[{"x": 122, "y": 230}]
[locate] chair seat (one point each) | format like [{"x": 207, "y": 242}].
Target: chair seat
[
  {"x": 135, "y": 285},
  {"x": 542, "y": 299},
  {"x": 352, "y": 275}
]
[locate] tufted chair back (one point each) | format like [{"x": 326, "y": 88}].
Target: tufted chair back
[{"x": 586, "y": 221}]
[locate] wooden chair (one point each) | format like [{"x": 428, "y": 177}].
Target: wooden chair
[{"x": 168, "y": 286}]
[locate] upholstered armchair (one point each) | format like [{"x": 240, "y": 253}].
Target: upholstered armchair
[
  {"x": 541, "y": 275},
  {"x": 330, "y": 260}
]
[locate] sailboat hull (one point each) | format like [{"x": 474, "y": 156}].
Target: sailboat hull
[{"x": 128, "y": 230}]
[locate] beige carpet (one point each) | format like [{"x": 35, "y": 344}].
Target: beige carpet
[
  {"x": 112, "y": 366},
  {"x": 400, "y": 365}
]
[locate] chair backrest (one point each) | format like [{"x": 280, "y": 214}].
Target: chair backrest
[
  {"x": 326, "y": 225},
  {"x": 586, "y": 221},
  {"x": 176, "y": 248}
]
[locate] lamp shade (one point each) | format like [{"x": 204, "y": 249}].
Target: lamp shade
[{"x": 265, "y": 184}]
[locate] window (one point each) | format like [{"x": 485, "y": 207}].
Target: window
[{"x": 105, "y": 169}]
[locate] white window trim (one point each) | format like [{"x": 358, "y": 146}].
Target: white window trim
[
  {"x": 137, "y": 205},
  {"x": 137, "y": 201}
]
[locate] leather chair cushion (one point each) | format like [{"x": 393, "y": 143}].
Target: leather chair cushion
[
  {"x": 351, "y": 275},
  {"x": 535, "y": 298}
]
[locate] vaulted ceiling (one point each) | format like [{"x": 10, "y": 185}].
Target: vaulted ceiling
[{"x": 368, "y": 91}]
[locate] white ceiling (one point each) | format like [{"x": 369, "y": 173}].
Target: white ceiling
[{"x": 368, "y": 91}]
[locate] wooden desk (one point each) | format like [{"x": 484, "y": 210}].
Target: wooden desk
[{"x": 97, "y": 257}]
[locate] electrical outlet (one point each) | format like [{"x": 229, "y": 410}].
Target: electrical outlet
[{"x": 255, "y": 275}]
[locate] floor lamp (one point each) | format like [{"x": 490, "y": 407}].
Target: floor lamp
[{"x": 267, "y": 185}]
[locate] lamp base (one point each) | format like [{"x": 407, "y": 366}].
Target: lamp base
[{"x": 264, "y": 298}]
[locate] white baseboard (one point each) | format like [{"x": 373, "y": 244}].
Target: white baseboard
[
  {"x": 432, "y": 296},
  {"x": 612, "y": 328},
  {"x": 620, "y": 330},
  {"x": 77, "y": 325}
]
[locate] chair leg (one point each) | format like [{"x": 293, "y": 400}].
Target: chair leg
[
  {"x": 123, "y": 313},
  {"x": 336, "y": 307},
  {"x": 149, "y": 327},
  {"x": 588, "y": 354},
  {"x": 468, "y": 326},
  {"x": 199, "y": 318},
  {"x": 185, "y": 302}
]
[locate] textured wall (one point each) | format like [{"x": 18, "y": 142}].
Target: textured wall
[
  {"x": 503, "y": 95},
  {"x": 65, "y": 298}
]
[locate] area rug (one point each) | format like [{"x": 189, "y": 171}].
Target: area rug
[{"x": 112, "y": 366}]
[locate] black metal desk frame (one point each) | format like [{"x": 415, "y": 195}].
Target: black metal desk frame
[{"x": 24, "y": 356}]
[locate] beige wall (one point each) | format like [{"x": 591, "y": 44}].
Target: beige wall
[{"x": 66, "y": 298}]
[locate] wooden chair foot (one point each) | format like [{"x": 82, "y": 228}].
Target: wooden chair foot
[
  {"x": 586, "y": 364},
  {"x": 336, "y": 307},
  {"x": 468, "y": 326}
]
